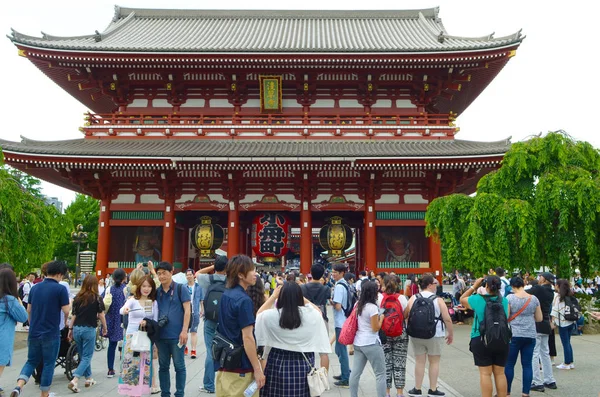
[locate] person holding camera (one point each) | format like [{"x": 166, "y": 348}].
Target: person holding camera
[
  {"x": 173, "y": 320},
  {"x": 491, "y": 358},
  {"x": 234, "y": 347}
]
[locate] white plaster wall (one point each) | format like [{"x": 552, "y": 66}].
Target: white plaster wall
[
  {"x": 349, "y": 103},
  {"x": 383, "y": 103},
  {"x": 405, "y": 104},
  {"x": 252, "y": 103},
  {"x": 250, "y": 198},
  {"x": 151, "y": 199},
  {"x": 322, "y": 197},
  {"x": 389, "y": 199},
  {"x": 124, "y": 199},
  {"x": 161, "y": 103},
  {"x": 414, "y": 199},
  {"x": 138, "y": 103},
  {"x": 353, "y": 197},
  {"x": 288, "y": 198},
  {"x": 323, "y": 103},
  {"x": 193, "y": 103},
  {"x": 290, "y": 103},
  {"x": 220, "y": 103},
  {"x": 185, "y": 197}
]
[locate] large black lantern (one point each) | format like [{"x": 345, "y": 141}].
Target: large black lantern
[
  {"x": 207, "y": 237},
  {"x": 336, "y": 237}
]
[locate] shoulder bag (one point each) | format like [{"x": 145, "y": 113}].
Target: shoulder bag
[
  {"x": 140, "y": 341},
  {"x": 107, "y": 299},
  {"x": 317, "y": 379},
  {"x": 515, "y": 315},
  {"x": 349, "y": 329}
]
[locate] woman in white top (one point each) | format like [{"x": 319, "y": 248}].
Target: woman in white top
[
  {"x": 136, "y": 368},
  {"x": 367, "y": 346},
  {"x": 294, "y": 330},
  {"x": 565, "y": 327}
]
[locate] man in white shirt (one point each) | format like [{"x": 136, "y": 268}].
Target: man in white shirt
[
  {"x": 362, "y": 277},
  {"x": 26, "y": 288},
  {"x": 505, "y": 283}
]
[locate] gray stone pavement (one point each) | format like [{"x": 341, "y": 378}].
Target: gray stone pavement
[{"x": 458, "y": 376}]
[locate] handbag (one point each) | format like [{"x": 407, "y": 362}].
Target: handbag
[
  {"x": 226, "y": 353},
  {"x": 140, "y": 342},
  {"x": 107, "y": 300},
  {"x": 349, "y": 329},
  {"x": 317, "y": 379}
]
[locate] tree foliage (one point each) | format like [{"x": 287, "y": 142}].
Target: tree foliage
[
  {"x": 83, "y": 210},
  {"x": 541, "y": 208},
  {"x": 29, "y": 228}
]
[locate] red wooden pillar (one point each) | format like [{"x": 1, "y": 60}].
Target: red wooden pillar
[
  {"x": 233, "y": 230},
  {"x": 435, "y": 259},
  {"x": 370, "y": 237},
  {"x": 306, "y": 238},
  {"x": 103, "y": 238},
  {"x": 168, "y": 246}
]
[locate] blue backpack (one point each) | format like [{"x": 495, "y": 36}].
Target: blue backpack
[{"x": 507, "y": 288}]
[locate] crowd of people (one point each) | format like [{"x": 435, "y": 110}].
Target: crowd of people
[{"x": 264, "y": 331}]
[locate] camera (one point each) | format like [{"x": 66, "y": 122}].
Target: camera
[
  {"x": 484, "y": 283},
  {"x": 163, "y": 321}
]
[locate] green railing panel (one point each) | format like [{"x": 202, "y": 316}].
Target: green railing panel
[
  {"x": 400, "y": 215},
  {"x": 398, "y": 265},
  {"x": 137, "y": 215},
  {"x": 127, "y": 265}
]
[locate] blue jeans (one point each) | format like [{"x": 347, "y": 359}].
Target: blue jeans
[
  {"x": 342, "y": 352},
  {"x": 565, "y": 338},
  {"x": 110, "y": 355},
  {"x": 167, "y": 348},
  {"x": 44, "y": 350},
  {"x": 85, "y": 337},
  {"x": 210, "y": 328},
  {"x": 525, "y": 346}
]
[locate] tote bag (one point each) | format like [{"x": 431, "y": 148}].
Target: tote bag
[
  {"x": 317, "y": 379},
  {"x": 349, "y": 329},
  {"x": 140, "y": 342}
]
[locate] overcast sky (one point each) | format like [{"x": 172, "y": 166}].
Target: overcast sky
[{"x": 546, "y": 87}]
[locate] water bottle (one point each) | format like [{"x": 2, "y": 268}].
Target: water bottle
[{"x": 251, "y": 389}]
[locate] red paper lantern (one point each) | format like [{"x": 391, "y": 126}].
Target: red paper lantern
[{"x": 271, "y": 235}]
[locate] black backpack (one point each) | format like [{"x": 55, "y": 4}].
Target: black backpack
[
  {"x": 494, "y": 329},
  {"x": 572, "y": 309},
  {"x": 352, "y": 299},
  {"x": 21, "y": 293},
  {"x": 212, "y": 298},
  {"x": 422, "y": 322}
]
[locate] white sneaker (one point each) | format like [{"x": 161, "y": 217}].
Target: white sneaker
[
  {"x": 564, "y": 366},
  {"x": 572, "y": 365}
]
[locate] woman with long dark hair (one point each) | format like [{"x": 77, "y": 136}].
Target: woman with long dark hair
[
  {"x": 565, "y": 327},
  {"x": 256, "y": 292},
  {"x": 87, "y": 308},
  {"x": 113, "y": 318},
  {"x": 367, "y": 345},
  {"x": 294, "y": 330},
  {"x": 140, "y": 307},
  {"x": 11, "y": 313},
  {"x": 489, "y": 362},
  {"x": 526, "y": 311}
]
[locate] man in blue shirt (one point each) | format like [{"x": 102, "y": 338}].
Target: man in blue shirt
[
  {"x": 236, "y": 323},
  {"x": 173, "y": 319},
  {"x": 340, "y": 301},
  {"x": 46, "y": 301}
]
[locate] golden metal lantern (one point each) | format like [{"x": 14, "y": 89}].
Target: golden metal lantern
[
  {"x": 207, "y": 237},
  {"x": 335, "y": 237}
]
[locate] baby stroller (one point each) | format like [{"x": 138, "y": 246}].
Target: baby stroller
[{"x": 68, "y": 357}]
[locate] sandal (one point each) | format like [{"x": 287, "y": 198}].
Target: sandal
[
  {"x": 73, "y": 387},
  {"x": 155, "y": 390},
  {"x": 90, "y": 382}
]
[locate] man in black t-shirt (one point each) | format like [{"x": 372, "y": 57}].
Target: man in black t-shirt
[
  {"x": 318, "y": 294},
  {"x": 544, "y": 291}
]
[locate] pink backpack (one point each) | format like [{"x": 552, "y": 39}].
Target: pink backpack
[{"x": 349, "y": 329}]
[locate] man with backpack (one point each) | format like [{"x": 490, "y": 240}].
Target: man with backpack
[
  {"x": 24, "y": 292},
  {"x": 318, "y": 294},
  {"x": 429, "y": 323},
  {"x": 213, "y": 286},
  {"x": 342, "y": 307},
  {"x": 506, "y": 288}
]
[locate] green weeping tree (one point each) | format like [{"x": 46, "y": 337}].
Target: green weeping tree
[
  {"x": 540, "y": 209},
  {"x": 29, "y": 228}
]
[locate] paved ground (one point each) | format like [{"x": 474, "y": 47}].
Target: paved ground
[{"x": 458, "y": 375}]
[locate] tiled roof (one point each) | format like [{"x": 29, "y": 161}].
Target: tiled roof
[
  {"x": 231, "y": 31},
  {"x": 232, "y": 149}
]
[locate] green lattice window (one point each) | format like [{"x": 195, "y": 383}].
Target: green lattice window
[
  {"x": 400, "y": 215},
  {"x": 137, "y": 215}
]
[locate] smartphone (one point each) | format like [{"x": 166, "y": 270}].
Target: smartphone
[
  {"x": 381, "y": 310},
  {"x": 179, "y": 345}
]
